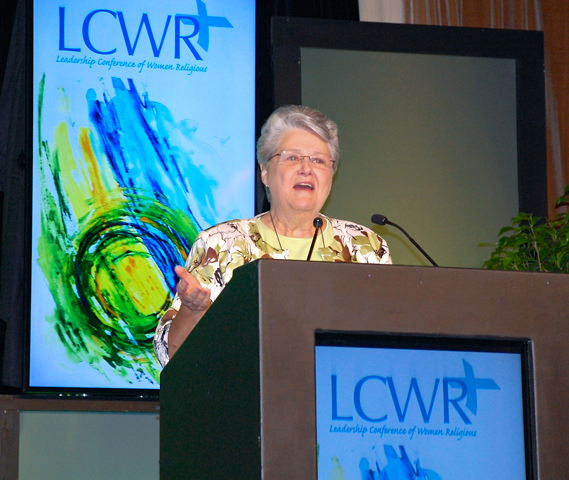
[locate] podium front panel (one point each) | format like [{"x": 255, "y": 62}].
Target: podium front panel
[{"x": 265, "y": 322}]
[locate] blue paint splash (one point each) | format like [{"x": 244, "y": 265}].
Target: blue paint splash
[
  {"x": 397, "y": 468},
  {"x": 149, "y": 151}
]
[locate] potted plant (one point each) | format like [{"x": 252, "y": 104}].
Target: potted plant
[{"x": 533, "y": 243}]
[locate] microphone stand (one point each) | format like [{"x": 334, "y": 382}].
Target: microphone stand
[
  {"x": 317, "y": 222},
  {"x": 382, "y": 220}
]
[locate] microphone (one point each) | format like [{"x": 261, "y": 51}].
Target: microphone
[
  {"x": 317, "y": 222},
  {"x": 382, "y": 220}
]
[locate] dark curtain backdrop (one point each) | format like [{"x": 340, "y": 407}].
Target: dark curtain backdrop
[
  {"x": 13, "y": 267},
  {"x": 6, "y": 22},
  {"x": 326, "y": 9}
]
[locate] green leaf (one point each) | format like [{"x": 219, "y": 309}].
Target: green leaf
[{"x": 506, "y": 229}]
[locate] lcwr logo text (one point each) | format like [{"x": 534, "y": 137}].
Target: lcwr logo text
[
  {"x": 467, "y": 386},
  {"x": 198, "y": 25}
]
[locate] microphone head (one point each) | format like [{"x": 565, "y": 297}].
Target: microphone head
[
  {"x": 317, "y": 222},
  {"x": 378, "y": 219}
]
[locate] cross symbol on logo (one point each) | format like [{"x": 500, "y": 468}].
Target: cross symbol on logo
[
  {"x": 205, "y": 22},
  {"x": 473, "y": 384}
]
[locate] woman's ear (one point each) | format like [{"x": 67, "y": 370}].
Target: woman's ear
[{"x": 264, "y": 174}]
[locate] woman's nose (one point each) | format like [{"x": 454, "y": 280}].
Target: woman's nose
[{"x": 305, "y": 164}]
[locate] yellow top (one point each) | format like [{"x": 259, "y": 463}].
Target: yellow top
[{"x": 297, "y": 247}]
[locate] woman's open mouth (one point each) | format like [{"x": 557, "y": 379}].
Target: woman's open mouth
[{"x": 304, "y": 186}]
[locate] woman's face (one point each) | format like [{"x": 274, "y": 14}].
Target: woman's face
[{"x": 298, "y": 189}]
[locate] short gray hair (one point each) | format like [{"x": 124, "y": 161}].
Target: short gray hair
[{"x": 296, "y": 117}]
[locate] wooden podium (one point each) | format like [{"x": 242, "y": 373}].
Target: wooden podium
[{"x": 238, "y": 399}]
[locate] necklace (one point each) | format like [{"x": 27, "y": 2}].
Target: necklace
[
  {"x": 275, "y": 228},
  {"x": 277, "y": 233}
]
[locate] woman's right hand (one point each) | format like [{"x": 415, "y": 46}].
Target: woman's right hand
[
  {"x": 192, "y": 294},
  {"x": 195, "y": 299}
]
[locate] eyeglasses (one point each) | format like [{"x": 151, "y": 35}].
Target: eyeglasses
[{"x": 317, "y": 161}]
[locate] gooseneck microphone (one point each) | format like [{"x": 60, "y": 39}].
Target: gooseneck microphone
[
  {"x": 317, "y": 222},
  {"x": 381, "y": 220}
]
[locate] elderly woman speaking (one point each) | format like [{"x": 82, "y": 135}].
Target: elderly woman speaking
[{"x": 298, "y": 155}]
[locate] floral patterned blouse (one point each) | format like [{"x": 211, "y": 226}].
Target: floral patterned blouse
[{"x": 219, "y": 250}]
